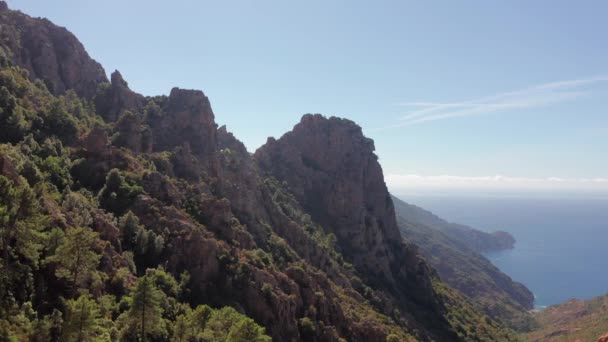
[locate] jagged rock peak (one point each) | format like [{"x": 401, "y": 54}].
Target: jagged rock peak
[
  {"x": 331, "y": 168},
  {"x": 191, "y": 99},
  {"x": 187, "y": 119},
  {"x": 49, "y": 52},
  {"x": 116, "y": 98},
  {"x": 117, "y": 80}
]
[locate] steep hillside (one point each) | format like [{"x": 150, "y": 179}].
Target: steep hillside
[
  {"x": 464, "y": 269},
  {"x": 125, "y": 217},
  {"x": 574, "y": 320}
]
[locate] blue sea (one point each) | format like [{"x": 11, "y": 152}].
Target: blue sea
[{"x": 562, "y": 243}]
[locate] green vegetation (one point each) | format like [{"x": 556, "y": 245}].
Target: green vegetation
[
  {"x": 59, "y": 250},
  {"x": 468, "y": 323},
  {"x": 75, "y": 257},
  {"x": 82, "y": 320}
]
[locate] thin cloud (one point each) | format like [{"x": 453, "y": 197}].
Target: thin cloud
[{"x": 531, "y": 97}]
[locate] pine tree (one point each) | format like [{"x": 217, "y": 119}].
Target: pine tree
[
  {"x": 75, "y": 257},
  {"x": 21, "y": 239},
  {"x": 181, "y": 329},
  {"x": 129, "y": 228},
  {"x": 246, "y": 330},
  {"x": 145, "y": 314},
  {"x": 20, "y": 222},
  {"x": 81, "y": 320}
]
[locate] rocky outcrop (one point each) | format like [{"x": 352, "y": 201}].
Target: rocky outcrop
[
  {"x": 115, "y": 98},
  {"x": 239, "y": 182},
  {"x": 332, "y": 170},
  {"x": 96, "y": 142},
  {"x": 161, "y": 187},
  {"x": 50, "y": 53},
  {"x": 187, "y": 119},
  {"x": 132, "y": 134}
]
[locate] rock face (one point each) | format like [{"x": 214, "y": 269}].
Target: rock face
[
  {"x": 96, "y": 142},
  {"x": 115, "y": 98},
  {"x": 132, "y": 134},
  {"x": 332, "y": 170},
  {"x": 50, "y": 53},
  {"x": 187, "y": 119},
  {"x": 239, "y": 181}
]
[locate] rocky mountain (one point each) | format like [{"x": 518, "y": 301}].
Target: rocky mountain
[
  {"x": 463, "y": 268},
  {"x": 330, "y": 168},
  {"x": 124, "y": 217}
]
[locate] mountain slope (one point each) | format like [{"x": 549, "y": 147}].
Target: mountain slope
[
  {"x": 464, "y": 269},
  {"x": 574, "y": 320},
  {"x": 156, "y": 198}
]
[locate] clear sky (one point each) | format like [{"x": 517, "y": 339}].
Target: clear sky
[{"x": 499, "y": 94}]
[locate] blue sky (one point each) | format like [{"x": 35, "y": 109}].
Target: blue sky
[{"x": 498, "y": 94}]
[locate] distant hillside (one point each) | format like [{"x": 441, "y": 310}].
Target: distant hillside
[
  {"x": 574, "y": 320},
  {"x": 475, "y": 239},
  {"x": 463, "y": 268}
]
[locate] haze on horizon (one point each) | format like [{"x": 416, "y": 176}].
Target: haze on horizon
[{"x": 470, "y": 96}]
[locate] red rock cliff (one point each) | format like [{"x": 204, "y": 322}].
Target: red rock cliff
[{"x": 49, "y": 52}]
